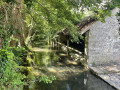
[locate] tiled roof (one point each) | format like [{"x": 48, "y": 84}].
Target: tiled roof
[{"x": 85, "y": 24}]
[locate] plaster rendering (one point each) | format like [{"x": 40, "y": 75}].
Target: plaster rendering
[{"x": 104, "y": 41}]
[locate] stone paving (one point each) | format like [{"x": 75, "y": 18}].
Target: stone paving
[{"x": 110, "y": 74}]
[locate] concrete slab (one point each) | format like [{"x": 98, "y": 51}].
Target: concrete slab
[{"x": 110, "y": 74}]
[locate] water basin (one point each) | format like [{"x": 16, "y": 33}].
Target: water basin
[{"x": 69, "y": 76}]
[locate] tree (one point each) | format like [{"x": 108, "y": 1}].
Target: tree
[
  {"x": 33, "y": 17},
  {"x": 51, "y": 16},
  {"x": 21, "y": 20}
]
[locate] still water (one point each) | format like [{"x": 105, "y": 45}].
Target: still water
[{"x": 66, "y": 67}]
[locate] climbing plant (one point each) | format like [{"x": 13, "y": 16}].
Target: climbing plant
[
  {"x": 24, "y": 21},
  {"x": 10, "y": 77}
]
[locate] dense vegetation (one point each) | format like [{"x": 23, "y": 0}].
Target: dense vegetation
[{"x": 24, "y": 21}]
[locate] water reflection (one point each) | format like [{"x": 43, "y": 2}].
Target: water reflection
[
  {"x": 57, "y": 55},
  {"x": 45, "y": 58},
  {"x": 70, "y": 75},
  {"x": 76, "y": 82}
]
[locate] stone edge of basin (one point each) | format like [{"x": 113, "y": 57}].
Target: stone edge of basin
[{"x": 101, "y": 75}]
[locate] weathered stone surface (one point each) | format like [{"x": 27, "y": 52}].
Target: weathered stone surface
[
  {"x": 92, "y": 82},
  {"x": 104, "y": 50},
  {"x": 104, "y": 41},
  {"x": 110, "y": 74}
]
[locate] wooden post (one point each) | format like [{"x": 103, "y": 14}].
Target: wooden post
[
  {"x": 67, "y": 47},
  {"x": 52, "y": 43},
  {"x": 57, "y": 43}
]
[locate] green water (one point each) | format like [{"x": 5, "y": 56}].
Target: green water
[
  {"x": 66, "y": 67},
  {"x": 83, "y": 81}
]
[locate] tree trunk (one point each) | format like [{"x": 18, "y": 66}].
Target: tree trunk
[{"x": 19, "y": 25}]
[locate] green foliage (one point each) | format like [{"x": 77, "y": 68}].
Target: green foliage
[
  {"x": 10, "y": 77},
  {"x": 10, "y": 57},
  {"x": 28, "y": 3},
  {"x": 9, "y": 1},
  {"x": 47, "y": 79},
  {"x": 20, "y": 54},
  {"x": 50, "y": 16},
  {"x": 44, "y": 18},
  {"x": 101, "y": 14}
]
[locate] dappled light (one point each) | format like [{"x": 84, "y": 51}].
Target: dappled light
[{"x": 59, "y": 44}]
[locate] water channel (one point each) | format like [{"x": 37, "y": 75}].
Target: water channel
[{"x": 66, "y": 67}]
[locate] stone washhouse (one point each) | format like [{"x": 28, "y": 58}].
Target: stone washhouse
[
  {"x": 102, "y": 45},
  {"x": 102, "y": 48},
  {"x": 102, "y": 40}
]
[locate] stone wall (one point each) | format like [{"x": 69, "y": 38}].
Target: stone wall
[{"x": 104, "y": 41}]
